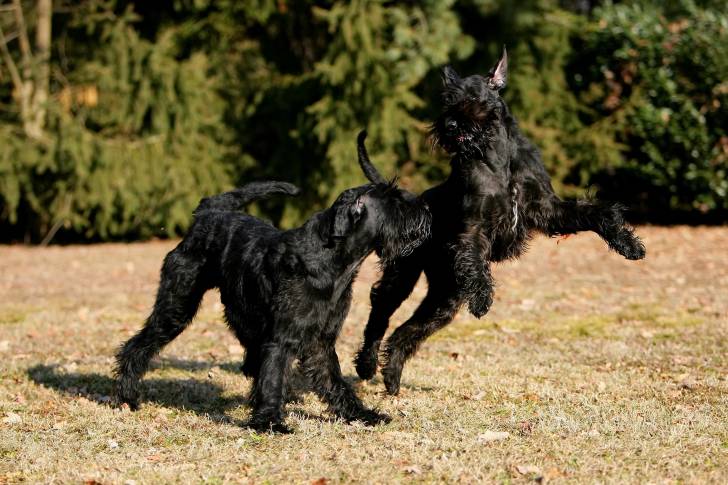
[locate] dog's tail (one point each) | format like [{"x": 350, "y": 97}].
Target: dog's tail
[
  {"x": 236, "y": 199},
  {"x": 366, "y": 165}
]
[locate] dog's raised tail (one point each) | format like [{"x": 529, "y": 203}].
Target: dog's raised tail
[
  {"x": 236, "y": 199},
  {"x": 366, "y": 165}
]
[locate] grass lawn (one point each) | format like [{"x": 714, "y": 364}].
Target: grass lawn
[{"x": 589, "y": 368}]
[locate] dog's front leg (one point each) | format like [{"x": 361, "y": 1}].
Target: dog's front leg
[
  {"x": 472, "y": 270},
  {"x": 558, "y": 217},
  {"x": 321, "y": 365},
  {"x": 268, "y": 389}
]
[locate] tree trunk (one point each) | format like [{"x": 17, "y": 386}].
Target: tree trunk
[
  {"x": 42, "y": 63},
  {"x": 32, "y": 80}
]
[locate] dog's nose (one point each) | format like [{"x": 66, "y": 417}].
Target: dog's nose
[{"x": 451, "y": 125}]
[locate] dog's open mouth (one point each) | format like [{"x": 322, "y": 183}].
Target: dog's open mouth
[{"x": 463, "y": 138}]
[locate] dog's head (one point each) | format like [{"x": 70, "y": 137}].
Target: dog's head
[
  {"x": 473, "y": 112},
  {"x": 379, "y": 216}
]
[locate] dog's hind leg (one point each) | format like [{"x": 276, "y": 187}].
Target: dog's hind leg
[
  {"x": 178, "y": 298},
  {"x": 386, "y": 296},
  {"x": 321, "y": 366},
  {"x": 436, "y": 311},
  {"x": 557, "y": 217}
]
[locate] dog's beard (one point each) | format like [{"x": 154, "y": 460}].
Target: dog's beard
[{"x": 464, "y": 143}]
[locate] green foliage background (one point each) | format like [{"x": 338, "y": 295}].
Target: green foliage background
[{"x": 155, "y": 104}]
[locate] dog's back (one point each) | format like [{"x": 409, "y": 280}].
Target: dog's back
[{"x": 220, "y": 229}]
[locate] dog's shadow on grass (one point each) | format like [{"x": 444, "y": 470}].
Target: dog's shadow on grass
[{"x": 200, "y": 396}]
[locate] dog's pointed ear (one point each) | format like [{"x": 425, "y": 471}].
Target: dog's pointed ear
[
  {"x": 499, "y": 74},
  {"x": 449, "y": 76}
]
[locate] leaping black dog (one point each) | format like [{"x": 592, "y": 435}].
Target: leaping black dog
[
  {"x": 286, "y": 293},
  {"x": 497, "y": 195}
]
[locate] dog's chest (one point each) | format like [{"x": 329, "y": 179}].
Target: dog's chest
[{"x": 507, "y": 231}]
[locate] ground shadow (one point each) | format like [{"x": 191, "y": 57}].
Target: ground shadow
[
  {"x": 233, "y": 366},
  {"x": 197, "y": 395},
  {"x": 200, "y": 396}
]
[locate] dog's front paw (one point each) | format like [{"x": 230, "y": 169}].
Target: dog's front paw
[
  {"x": 391, "y": 377},
  {"x": 127, "y": 394},
  {"x": 631, "y": 247},
  {"x": 266, "y": 425},
  {"x": 479, "y": 304},
  {"x": 366, "y": 362}
]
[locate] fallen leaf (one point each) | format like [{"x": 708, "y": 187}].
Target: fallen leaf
[
  {"x": 12, "y": 418},
  {"x": 454, "y": 355},
  {"x": 506, "y": 330},
  {"x": 529, "y": 470},
  {"x": 320, "y": 481},
  {"x": 525, "y": 427},
  {"x": 688, "y": 383},
  {"x": 553, "y": 473},
  {"x": 528, "y": 304},
  {"x": 490, "y": 436}
]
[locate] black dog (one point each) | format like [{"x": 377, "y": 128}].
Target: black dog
[
  {"x": 285, "y": 293},
  {"x": 497, "y": 194}
]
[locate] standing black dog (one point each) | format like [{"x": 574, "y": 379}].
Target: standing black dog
[
  {"x": 497, "y": 194},
  {"x": 286, "y": 293}
]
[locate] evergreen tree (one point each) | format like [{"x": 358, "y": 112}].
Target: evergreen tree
[{"x": 133, "y": 138}]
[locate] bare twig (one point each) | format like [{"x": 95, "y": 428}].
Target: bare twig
[
  {"x": 10, "y": 63},
  {"x": 11, "y": 37},
  {"x": 25, "y": 52},
  {"x": 59, "y": 223}
]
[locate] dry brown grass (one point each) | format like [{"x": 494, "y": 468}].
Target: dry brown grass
[{"x": 599, "y": 370}]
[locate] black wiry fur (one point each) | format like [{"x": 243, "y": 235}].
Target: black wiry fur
[
  {"x": 285, "y": 293},
  {"x": 497, "y": 195}
]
